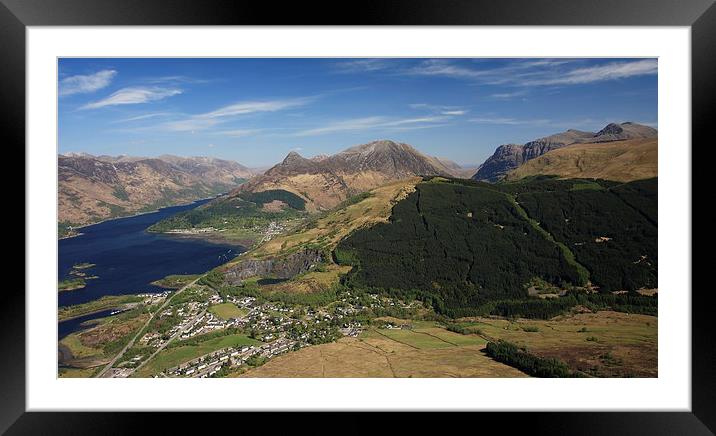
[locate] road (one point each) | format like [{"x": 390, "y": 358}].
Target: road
[
  {"x": 146, "y": 324},
  {"x": 177, "y": 334}
]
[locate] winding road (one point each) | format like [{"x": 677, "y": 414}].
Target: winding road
[{"x": 146, "y": 324}]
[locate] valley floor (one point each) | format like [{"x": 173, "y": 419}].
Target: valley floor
[
  {"x": 385, "y": 354},
  {"x": 602, "y": 344}
]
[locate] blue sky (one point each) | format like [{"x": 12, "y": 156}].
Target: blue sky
[{"x": 255, "y": 111}]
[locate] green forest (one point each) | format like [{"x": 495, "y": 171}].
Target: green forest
[
  {"x": 612, "y": 232},
  {"x": 243, "y": 211},
  {"x": 472, "y": 248},
  {"x": 511, "y": 354}
]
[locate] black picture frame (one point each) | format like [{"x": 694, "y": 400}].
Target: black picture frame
[{"x": 16, "y": 15}]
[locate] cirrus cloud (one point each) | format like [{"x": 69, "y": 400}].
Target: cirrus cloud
[
  {"x": 133, "y": 95},
  {"x": 374, "y": 123},
  {"x": 83, "y": 84},
  {"x": 210, "y": 119}
]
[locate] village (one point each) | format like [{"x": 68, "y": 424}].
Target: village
[{"x": 275, "y": 327}]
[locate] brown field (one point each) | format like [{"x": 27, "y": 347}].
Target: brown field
[
  {"x": 76, "y": 372},
  {"x": 274, "y": 206},
  {"x": 425, "y": 352},
  {"x": 85, "y": 349},
  {"x": 623, "y": 161},
  {"x": 605, "y": 344},
  {"x": 619, "y": 345},
  {"x": 313, "y": 281},
  {"x": 104, "y": 333}
]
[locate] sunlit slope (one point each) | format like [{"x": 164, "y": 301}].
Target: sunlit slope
[
  {"x": 623, "y": 161},
  {"x": 326, "y": 231},
  {"x": 323, "y": 232}
]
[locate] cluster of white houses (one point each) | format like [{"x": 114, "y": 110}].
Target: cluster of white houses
[
  {"x": 207, "y": 323},
  {"x": 209, "y": 364},
  {"x": 282, "y": 327},
  {"x": 150, "y": 299}
]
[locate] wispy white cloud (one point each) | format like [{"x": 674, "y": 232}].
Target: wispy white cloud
[
  {"x": 539, "y": 72},
  {"x": 363, "y": 65},
  {"x": 239, "y": 133},
  {"x": 210, "y": 119},
  {"x": 176, "y": 80},
  {"x": 611, "y": 71},
  {"x": 133, "y": 95},
  {"x": 440, "y": 67},
  {"x": 143, "y": 117},
  {"x": 342, "y": 126},
  {"x": 83, "y": 84},
  {"x": 374, "y": 123},
  {"x": 438, "y": 109},
  {"x": 243, "y": 108},
  {"x": 509, "y": 121},
  {"x": 508, "y": 95}
]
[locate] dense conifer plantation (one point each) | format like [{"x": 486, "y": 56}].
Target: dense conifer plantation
[{"x": 473, "y": 248}]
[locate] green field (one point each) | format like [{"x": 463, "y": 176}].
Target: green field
[
  {"x": 175, "y": 356},
  {"x": 427, "y": 336},
  {"x": 453, "y": 338},
  {"x": 175, "y": 281},
  {"x": 106, "y": 302},
  {"x": 78, "y": 349},
  {"x": 71, "y": 284},
  {"x": 227, "y": 311}
]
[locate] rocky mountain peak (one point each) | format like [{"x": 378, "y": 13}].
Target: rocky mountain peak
[
  {"x": 326, "y": 181},
  {"x": 293, "y": 156},
  {"x": 611, "y": 129}
]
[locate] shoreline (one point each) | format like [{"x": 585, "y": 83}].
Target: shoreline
[
  {"x": 93, "y": 312},
  {"x": 136, "y": 215},
  {"x": 212, "y": 238}
]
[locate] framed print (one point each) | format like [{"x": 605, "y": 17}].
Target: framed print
[{"x": 416, "y": 207}]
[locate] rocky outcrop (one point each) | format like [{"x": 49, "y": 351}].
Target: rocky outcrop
[
  {"x": 620, "y": 132},
  {"x": 505, "y": 158},
  {"x": 283, "y": 268}
]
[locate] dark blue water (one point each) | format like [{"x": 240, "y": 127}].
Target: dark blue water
[
  {"x": 64, "y": 328},
  {"x": 128, "y": 258}
]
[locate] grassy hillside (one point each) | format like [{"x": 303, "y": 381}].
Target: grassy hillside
[
  {"x": 247, "y": 215},
  {"x": 464, "y": 245},
  {"x": 624, "y": 161},
  {"x": 325, "y": 230}
]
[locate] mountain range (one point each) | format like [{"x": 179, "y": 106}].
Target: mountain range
[
  {"x": 325, "y": 181},
  {"x": 510, "y": 156},
  {"x": 93, "y": 188}
]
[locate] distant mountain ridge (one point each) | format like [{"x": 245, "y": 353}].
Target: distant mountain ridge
[
  {"x": 623, "y": 161},
  {"x": 94, "y": 188},
  {"x": 510, "y": 156},
  {"x": 325, "y": 181}
]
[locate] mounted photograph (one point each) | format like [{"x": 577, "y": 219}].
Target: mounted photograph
[{"x": 329, "y": 217}]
